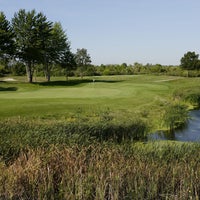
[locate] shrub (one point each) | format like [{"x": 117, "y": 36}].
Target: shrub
[
  {"x": 175, "y": 116},
  {"x": 190, "y": 95}
]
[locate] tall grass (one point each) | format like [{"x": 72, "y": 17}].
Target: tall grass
[
  {"x": 104, "y": 171},
  {"x": 175, "y": 116},
  {"x": 189, "y": 94},
  {"x": 18, "y": 133}
]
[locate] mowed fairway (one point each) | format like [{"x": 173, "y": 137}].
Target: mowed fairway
[{"x": 119, "y": 94}]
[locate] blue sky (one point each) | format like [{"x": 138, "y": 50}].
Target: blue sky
[{"x": 117, "y": 31}]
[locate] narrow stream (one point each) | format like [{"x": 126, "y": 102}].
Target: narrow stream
[{"x": 189, "y": 133}]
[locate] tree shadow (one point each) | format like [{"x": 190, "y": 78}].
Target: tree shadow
[
  {"x": 10, "y": 89},
  {"x": 75, "y": 82},
  {"x": 64, "y": 83},
  {"x": 108, "y": 81}
]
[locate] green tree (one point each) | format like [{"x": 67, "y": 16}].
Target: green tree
[
  {"x": 82, "y": 59},
  {"x": 29, "y": 28},
  {"x": 44, "y": 29},
  {"x": 68, "y": 62},
  {"x": 190, "y": 61},
  {"x": 7, "y": 45},
  {"x": 56, "y": 49}
]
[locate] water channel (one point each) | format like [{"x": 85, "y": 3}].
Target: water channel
[{"x": 189, "y": 133}]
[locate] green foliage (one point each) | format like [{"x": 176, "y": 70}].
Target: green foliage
[
  {"x": 188, "y": 94},
  {"x": 82, "y": 59},
  {"x": 26, "y": 26},
  {"x": 39, "y": 41},
  {"x": 190, "y": 60},
  {"x": 175, "y": 116},
  {"x": 7, "y": 45},
  {"x": 18, "y": 69},
  {"x": 56, "y": 50},
  {"x": 68, "y": 63},
  {"x": 3, "y": 70},
  {"x": 193, "y": 98}
]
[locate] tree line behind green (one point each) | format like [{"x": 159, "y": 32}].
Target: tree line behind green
[{"x": 31, "y": 44}]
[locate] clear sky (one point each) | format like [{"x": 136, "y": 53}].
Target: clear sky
[{"x": 117, "y": 31}]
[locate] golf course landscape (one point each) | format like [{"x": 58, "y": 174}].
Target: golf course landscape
[
  {"x": 86, "y": 138},
  {"x": 99, "y": 100}
]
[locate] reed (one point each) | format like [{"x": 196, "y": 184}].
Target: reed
[
  {"x": 18, "y": 133},
  {"x": 175, "y": 116},
  {"x": 104, "y": 171}
]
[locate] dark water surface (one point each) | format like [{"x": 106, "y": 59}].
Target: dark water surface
[{"x": 189, "y": 133}]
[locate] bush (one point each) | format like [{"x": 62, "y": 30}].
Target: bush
[
  {"x": 18, "y": 69},
  {"x": 3, "y": 71},
  {"x": 190, "y": 95},
  {"x": 175, "y": 116}
]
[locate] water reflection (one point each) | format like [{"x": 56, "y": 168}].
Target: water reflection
[{"x": 191, "y": 132}]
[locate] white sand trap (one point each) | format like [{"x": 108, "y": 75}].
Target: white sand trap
[{"x": 9, "y": 79}]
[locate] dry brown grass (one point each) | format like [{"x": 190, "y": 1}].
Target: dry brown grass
[{"x": 102, "y": 172}]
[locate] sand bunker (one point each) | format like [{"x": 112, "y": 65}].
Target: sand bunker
[{"x": 9, "y": 79}]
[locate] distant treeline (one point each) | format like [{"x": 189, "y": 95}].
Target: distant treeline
[{"x": 18, "y": 69}]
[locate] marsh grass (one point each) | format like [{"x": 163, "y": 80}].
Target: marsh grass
[
  {"x": 189, "y": 94},
  {"x": 104, "y": 171},
  {"x": 18, "y": 133},
  {"x": 175, "y": 116}
]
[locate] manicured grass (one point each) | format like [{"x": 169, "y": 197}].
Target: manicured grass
[{"x": 124, "y": 96}]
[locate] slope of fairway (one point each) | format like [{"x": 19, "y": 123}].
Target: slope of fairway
[
  {"x": 87, "y": 91},
  {"x": 118, "y": 93}
]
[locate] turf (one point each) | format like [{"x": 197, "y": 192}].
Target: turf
[{"x": 122, "y": 95}]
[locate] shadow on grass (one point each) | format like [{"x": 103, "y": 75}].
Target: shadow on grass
[
  {"x": 108, "y": 81},
  {"x": 74, "y": 82},
  {"x": 3, "y": 89}
]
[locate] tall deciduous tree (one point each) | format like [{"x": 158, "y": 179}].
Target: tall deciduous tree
[
  {"x": 29, "y": 28},
  {"x": 55, "y": 49},
  {"x": 43, "y": 31},
  {"x": 82, "y": 59},
  {"x": 68, "y": 62},
  {"x": 7, "y": 45},
  {"x": 190, "y": 60}
]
